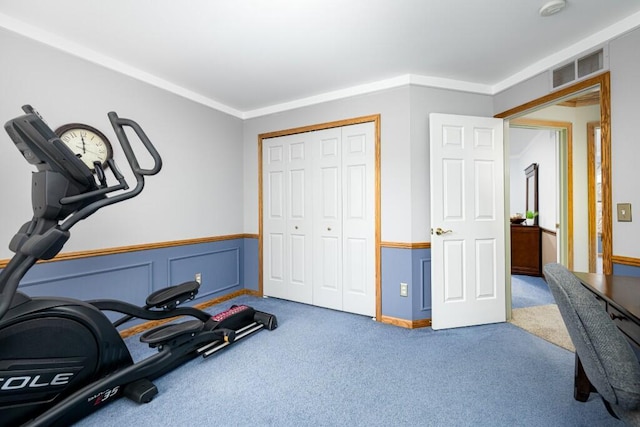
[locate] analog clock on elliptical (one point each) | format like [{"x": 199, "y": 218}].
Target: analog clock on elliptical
[{"x": 87, "y": 143}]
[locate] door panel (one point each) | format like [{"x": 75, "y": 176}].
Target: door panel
[
  {"x": 486, "y": 268},
  {"x": 356, "y": 267},
  {"x": 453, "y": 190},
  {"x": 299, "y": 220},
  {"x": 327, "y": 275},
  {"x": 358, "y": 187},
  {"x": 274, "y": 220},
  {"x": 467, "y": 205},
  {"x": 454, "y": 266},
  {"x": 286, "y": 219}
]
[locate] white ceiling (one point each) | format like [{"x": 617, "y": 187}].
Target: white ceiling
[{"x": 253, "y": 57}]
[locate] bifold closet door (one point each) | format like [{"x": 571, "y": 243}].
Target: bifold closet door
[
  {"x": 343, "y": 221},
  {"x": 327, "y": 218},
  {"x": 287, "y": 219},
  {"x": 358, "y": 219},
  {"x": 323, "y": 183}
]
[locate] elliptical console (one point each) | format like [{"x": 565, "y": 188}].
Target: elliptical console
[{"x": 61, "y": 358}]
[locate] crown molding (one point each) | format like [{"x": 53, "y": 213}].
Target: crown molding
[
  {"x": 108, "y": 62},
  {"x": 399, "y": 81}
]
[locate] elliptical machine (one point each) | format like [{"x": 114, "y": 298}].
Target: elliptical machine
[{"x": 61, "y": 358}]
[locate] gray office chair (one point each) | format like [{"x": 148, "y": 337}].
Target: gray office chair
[{"x": 607, "y": 358}]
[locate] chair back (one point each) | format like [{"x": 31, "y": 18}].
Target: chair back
[{"x": 607, "y": 358}]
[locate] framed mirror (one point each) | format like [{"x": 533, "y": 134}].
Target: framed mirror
[{"x": 531, "y": 174}]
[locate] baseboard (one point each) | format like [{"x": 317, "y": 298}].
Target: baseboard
[
  {"x": 134, "y": 330},
  {"x": 404, "y": 323}
]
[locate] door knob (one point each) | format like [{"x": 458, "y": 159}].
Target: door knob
[
  {"x": 328, "y": 228},
  {"x": 440, "y": 231}
]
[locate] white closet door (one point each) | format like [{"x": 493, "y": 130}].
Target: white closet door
[
  {"x": 358, "y": 218},
  {"x": 274, "y": 221},
  {"x": 287, "y": 220},
  {"x": 300, "y": 219},
  {"x": 327, "y": 194},
  {"x": 319, "y": 218}
]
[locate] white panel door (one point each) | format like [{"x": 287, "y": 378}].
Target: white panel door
[
  {"x": 327, "y": 229},
  {"x": 287, "y": 218},
  {"x": 468, "y": 221},
  {"x": 358, "y": 218},
  {"x": 274, "y": 219}
]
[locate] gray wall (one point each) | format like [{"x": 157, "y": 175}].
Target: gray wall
[
  {"x": 624, "y": 59},
  {"x": 199, "y": 191},
  {"x": 404, "y": 149},
  {"x": 209, "y": 182}
]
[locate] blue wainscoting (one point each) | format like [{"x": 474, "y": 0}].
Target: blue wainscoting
[
  {"x": 132, "y": 276},
  {"x": 411, "y": 266},
  {"x": 626, "y": 270},
  {"x": 226, "y": 266}
]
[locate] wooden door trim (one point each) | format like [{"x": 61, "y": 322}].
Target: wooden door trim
[
  {"x": 603, "y": 82},
  {"x": 375, "y": 118},
  {"x": 591, "y": 194}
]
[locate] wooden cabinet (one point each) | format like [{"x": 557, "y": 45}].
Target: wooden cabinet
[{"x": 526, "y": 250}]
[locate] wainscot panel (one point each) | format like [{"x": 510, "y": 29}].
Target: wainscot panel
[
  {"x": 131, "y": 276},
  {"x": 250, "y": 263},
  {"x": 422, "y": 263},
  {"x": 128, "y": 282},
  {"x": 219, "y": 270},
  {"x": 396, "y": 269}
]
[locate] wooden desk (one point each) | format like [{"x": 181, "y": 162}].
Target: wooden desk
[{"x": 620, "y": 297}]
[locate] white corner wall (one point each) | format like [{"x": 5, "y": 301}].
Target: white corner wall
[{"x": 540, "y": 148}]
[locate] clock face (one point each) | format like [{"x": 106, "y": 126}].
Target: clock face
[{"x": 87, "y": 143}]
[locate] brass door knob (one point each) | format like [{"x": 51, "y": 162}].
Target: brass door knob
[{"x": 440, "y": 231}]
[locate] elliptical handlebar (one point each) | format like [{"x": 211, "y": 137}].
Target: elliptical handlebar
[
  {"x": 118, "y": 123},
  {"x": 139, "y": 173}
]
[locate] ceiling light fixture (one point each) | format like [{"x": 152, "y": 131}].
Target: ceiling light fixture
[{"x": 552, "y": 7}]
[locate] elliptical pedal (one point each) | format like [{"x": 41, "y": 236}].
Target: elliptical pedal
[{"x": 164, "y": 333}]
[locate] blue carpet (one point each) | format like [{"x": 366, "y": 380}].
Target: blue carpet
[
  {"x": 529, "y": 291},
  {"x": 326, "y": 368}
]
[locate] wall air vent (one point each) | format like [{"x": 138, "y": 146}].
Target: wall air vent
[
  {"x": 564, "y": 75},
  {"x": 580, "y": 68}
]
